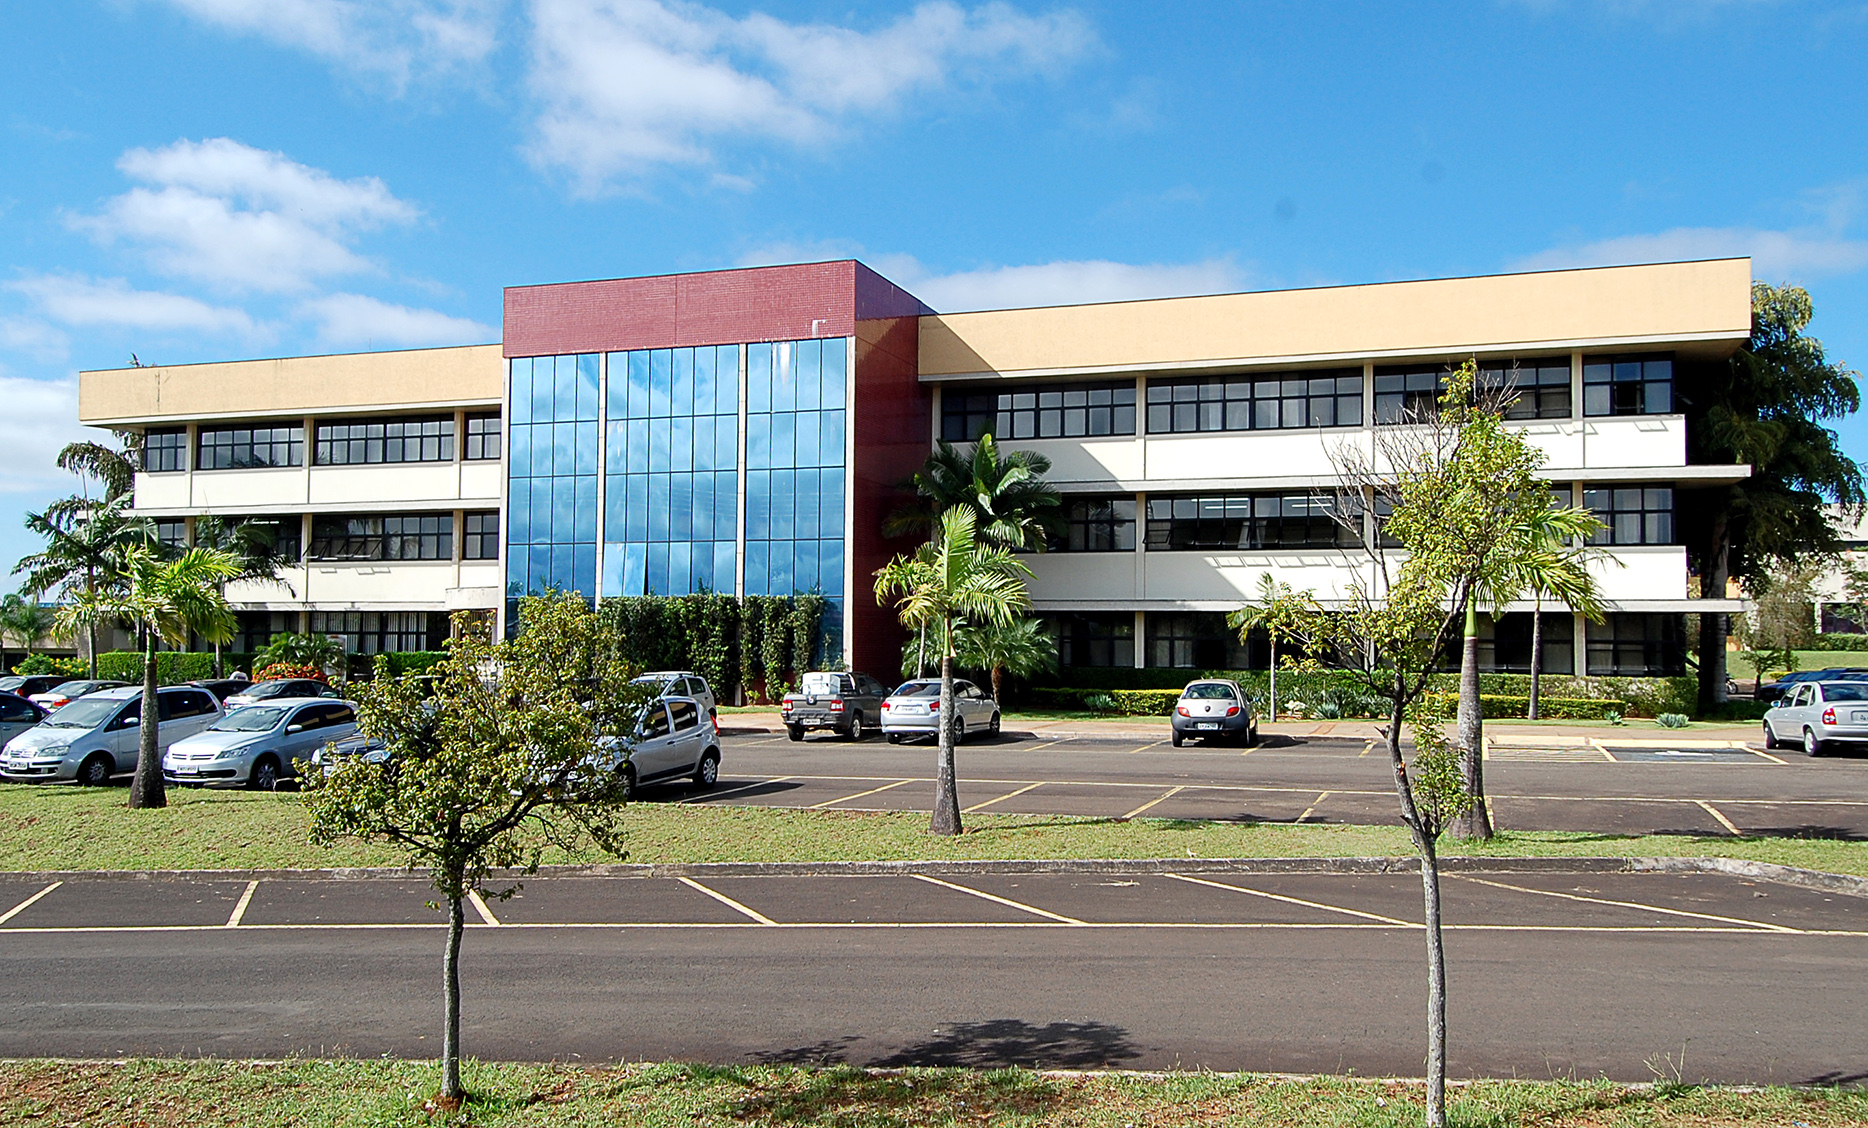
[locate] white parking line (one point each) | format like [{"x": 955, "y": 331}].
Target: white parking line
[
  {"x": 1169, "y": 794},
  {"x": 27, "y": 903},
  {"x": 246, "y": 898},
  {"x": 1002, "y": 798},
  {"x": 908, "y": 926},
  {"x": 479, "y": 906},
  {"x": 729, "y": 902},
  {"x": 1730, "y": 827},
  {"x": 1006, "y": 901},
  {"x": 1294, "y": 900},
  {"x": 858, "y": 795},
  {"x": 1627, "y": 904}
]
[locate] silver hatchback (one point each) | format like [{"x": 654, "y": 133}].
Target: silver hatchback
[
  {"x": 1818, "y": 715},
  {"x": 256, "y": 746},
  {"x": 1214, "y": 709},
  {"x": 914, "y": 710}
]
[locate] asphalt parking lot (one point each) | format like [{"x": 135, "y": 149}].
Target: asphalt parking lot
[
  {"x": 1569, "y": 973},
  {"x": 1627, "y": 785}
]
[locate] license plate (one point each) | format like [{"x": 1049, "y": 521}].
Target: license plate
[
  {"x": 1859, "y": 716},
  {"x": 16, "y": 765},
  {"x": 1204, "y": 725}
]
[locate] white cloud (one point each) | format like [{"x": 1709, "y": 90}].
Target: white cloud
[
  {"x": 74, "y": 300},
  {"x": 354, "y": 319},
  {"x": 242, "y": 218},
  {"x": 41, "y": 417},
  {"x": 1058, "y": 283},
  {"x": 1797, "y": 253},
  {"x": 629, "y": 85},
  {"x": 390, "y": 39},
  {"x": 34, "y": 338}
]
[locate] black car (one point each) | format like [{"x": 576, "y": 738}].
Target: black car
[
  {"x": 1771, "y": 691},
  {"x": 223, "y": 688},
  {"x": 17, "y": 715},
  {"x": 28, "y": 684},
  {"x": 281, "y": 688}
]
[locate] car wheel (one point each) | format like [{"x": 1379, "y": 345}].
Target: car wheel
[
  {"x": 795, "y": 732},
  {"x": 1812, "y": 744},
  {"x": 707, "y": 772},
  {"x": 626, "y": 783},
  {"x": 1251, "y": 737},
  {"x": 264, "y": 775},
  {"x": 96, "y": 771},
  {"x": 1179, "y": 740},
  {"x": 992, "y": 727},
  {"x": 1771, "y": 743},
  {"x": 855, "y": 731},
  {"x": 892, "y": 737}
]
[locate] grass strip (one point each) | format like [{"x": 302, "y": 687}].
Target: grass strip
[
  {"x": 69, "y": 828},
  {"x": 160, "y": 1094}
]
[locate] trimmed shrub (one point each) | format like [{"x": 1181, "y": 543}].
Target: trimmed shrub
[
  {"x": 172, "y": 666},
  {"x": 279, "y": 670},
  {"x": 1553, "y": 708},
  {"x": 45, "y": 664},
  {"x": 1836, "y": 640},
  {"x": 758, "y": 642},
  {"x": 413, "y": 661}
]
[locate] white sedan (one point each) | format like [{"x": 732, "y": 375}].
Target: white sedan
[{"x": 914, "y": 710}]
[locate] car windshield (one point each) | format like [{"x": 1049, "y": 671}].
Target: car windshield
[
  {"x": 1208, "y": 691},
  {"x": 267, "y": 689},
  {"x": 919, "y": 689},
  {"x": 8, "y": 685},
  {"x": 821, "y": 683},
  {"x": 74, "y": 688},
  {"x": 253, "y": 718},
  {"x": 1845, "y": 691},
  {"x": 85, "y": 713}
]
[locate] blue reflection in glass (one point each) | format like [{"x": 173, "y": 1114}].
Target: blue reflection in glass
[
  {"x": 539, "y": 578},
  {"x": 637, "y": 461},
  {"x": 658, "y": 507},
  {"x": 658, "y": 568},
  {"x": 758, "y": 567},
  {"x": 703, "y": 507},
  {"x": 586, "y": 578},
  {"x": 661, "y": 379},
  {"x": 563, "y": 509},
  {"x": 519, "y": 389},
  {"x": 703, "y": 442},
  {"x": 830, "y": 438},
  {"x": 726, "y": 365},
  {"x": 758, "y": 505},
  {"x": 637, "y": 526},
  {"x": 784, "y": 377},
  {"x": 805, "y": 490},
  {"x": 680, "y": 568},
  {"x": 807, "y": 436},
  {"x": 681, "y": 402},
  {"x": 636, "y": 569},
  {"x": 615, "y": 504},
  {"x": 658, "y": 446},
  {"x": 541, "y": 511},
  {"x": 588, "y": 374},
  {"x": 618, "y": 367},
  {"x": 680, "y": 507},
  {"x": 639, "y": 385},
  {"x": 703, "y": 381},
  {"x": 681, "y": 443},
  {"x": 830, "y": 567},
  {"x": 564, "y": 396},
  {"x": 584, "y": 530},
  {"x": 836, "y": 371},
  {"x": 758, "y": 442},
  {"x": 784, "y": 502},
  {"x": 804, "y": 570},
  {"x": 725, "y": 504},
  {"x": 830, "y": 514},
  {"x": 780, "y": 580},
  {"x": 518, "y": 518},
  {"x": 726, "y": 443},
  {"x": 758, "y": 378},
  {"x": 519, "y": 452},
  {"x": 784, "y": 439},
  {"x": 587, "y": 440},
  {"x": 724, "y": 558},
  {"x": 810, "y": 355},
  {"x": 541, "y": 389}
]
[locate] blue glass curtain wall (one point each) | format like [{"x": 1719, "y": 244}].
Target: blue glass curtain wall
[
  {"x": 671, "y": 471},
  {"x": 551, "y": 471},
  {"x": 795, "y": 466}
]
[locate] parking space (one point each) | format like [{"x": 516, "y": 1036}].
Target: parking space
[
  {"x": 1607, "y": 816},
  {"x": 310, "y": 902},
  {"x": 86, "y": 904},
  {"x": 605, "y": 900}
]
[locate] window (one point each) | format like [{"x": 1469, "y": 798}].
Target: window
[
  {"x": 554, "y": 448},
  {"x": 1636, "y": 645},
  {"x": 337, "y": 714},
  {"x": 382, "y": 632},
  {"x": 165, "y": 451},
  {"x": 1542, "y": 386},
  {"x": 359, "y": 441},
  {"x": 1505, "y": 644},
  {"x": 482, "y": 437},
  {"x": 1627, "y": 385},
  {"x": 1055, "y": 411},
  {"x": 172, "y": 534},
  {"x": 250, "y": 448},
  {"x": 15, "y": 709},
  {"x": 1292, "y": 399},
  {"x": 1197, "y": 640},
  {"x": 1097, "y": 524},
  {"x": 1405, "y": 394},
  {"x": 1094, "y": 638},
  {"x": 685, "y": 713},
  {"x": 187, "y": 703},
  {"x": 480, "y": 538},
  {"x": 423, "y": 536},
  {"x": 282, "y": 534},
  {"x": 1251, "y": 521},
  {"x": 1632, "y": 514},
  {"x": 654, "y": 722}
]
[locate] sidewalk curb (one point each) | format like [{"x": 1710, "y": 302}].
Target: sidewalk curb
[{"x": 1765, "y": 871}]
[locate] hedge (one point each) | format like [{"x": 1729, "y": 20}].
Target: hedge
[
  {"x": 758, "y": 643},
  {"x": 1836, "y": 640},
  {"x": 1160, "y": 702},
  {"x": 1498, "y": 705},
  {"x": 413, "y": 661},
  {"x": 172, "y": 666}
]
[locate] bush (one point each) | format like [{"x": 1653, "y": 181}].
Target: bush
[
  {"x": 1671, "y": 720},
  {"x": 278, "y": 670},
  {"x": 172, "y": 666},
  {"x": 63, "y": 667},
  {"x": 1836, "y": 640},
  {"x": 414, "y": 661},
  {"x": 1498, "y": 705}
]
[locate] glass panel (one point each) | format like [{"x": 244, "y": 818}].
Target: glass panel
[
  {"x": 830, "y": 513},
  {"x": 780, "y": 580},
  {"x": 703, "y": 507},
  {"x": 564, "y": 391},
  {"x": 541, "y": 389},
  {"x": 681, "y": 443},
  {"x": 661, "y": 378},
  {"x": 726, "y": 442},
  {"x": 587, "y": 376},
  {"x": 805, "y": 487},
  {"x": 835, "y": 372},
  {"x": 520, "y": 395},
  {"x": 724, "y": 558},
  {"x": 585, "y": 527},
  {"x": 682, "y": 390},
  {"x": 758, "y": 505},
  {"x": 783, "y": 501},
  {"x": 726, "y": 366},
  {"x": 725, "y": 506},
  {"x": 703, "y": 381},
  {"x": 680, "y": 507},
  {"x": 658, "y": 446},
  {"x": 758, "y": 567},
  {"x": 784, "y": 446},
  {"x": 784, "y": 378},
  {"x": 587, "y": 442},
  {"x": 639, "y": 384},
  {"x": 809, "y": 359},
  {"x": 519, "y": 458},
  {"x": 830, "y": 438},
  {"x": 758, "y": 442},
  {"x": 658, "y": 507},
  {"x": 541, "y": 511},
  {"x": 758, "y": 378},
  {"x": 807, "y": 436},
  {"x": 637, "y": 512}
]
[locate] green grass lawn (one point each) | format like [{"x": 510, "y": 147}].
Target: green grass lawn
[
  {"x": 1738, "y": 667},
  {"x": 172, "y": 1094},
  {"x": 69, "y": 828}
]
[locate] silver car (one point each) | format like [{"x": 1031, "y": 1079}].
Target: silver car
[
  {"x": 914, "y": 710},
  {"x": 97, "y": 736},
  {"x": 256, "y": 746},
  {"x": 1818, "y": 715},
  {"x": 1214, "y": 709},
  {"x": 681, "y": 683},
  {"x": 673, "y": 739}
]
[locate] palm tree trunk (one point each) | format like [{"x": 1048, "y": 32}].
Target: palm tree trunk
[
  {"x": 1436, "y": 986},
  {"x": 1537, "y": 656},
  {"x": 146, "y": 790},
  {"x": 946, "y": 794},
  {"x": 998, "y": 685},
  {"x": 1274, "y": 675},
  {"x": 1474, "y": 823},
  {"x": 451, "y": 989}
]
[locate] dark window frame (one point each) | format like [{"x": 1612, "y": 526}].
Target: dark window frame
[
  {"x": 480, "y": 535},
  {"x": 1542, "y": 385},
  {"x": 483, "y": 437},
  {"x": 1097, "y": 524},
  {"x": 238, "y": 448},
  {"x": 374, "y": 442},
  {"x": 1252, "y": 522},
  {"x": 1274, "y": 401},
  {"x": 165, "y": 450},
  {"x": 1639, "y": 384},
  {"x": 1632, "y": 514},
  {"x": 1089, "y": 409},
  {"x": 382, "y": 537}
]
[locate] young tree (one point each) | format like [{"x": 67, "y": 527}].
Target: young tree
[
  {"x": 255, "y": 545},
  {"x": 23, "y": 618},
  {"x": 1020, "y": 647},
  {"x": 1280, "y": 613},
  {"x": 951, "y": 578},
  {"x": 490, "y": 764},
  {"x": 1012, "y": 504},
  {"x": 165, "y": 599},
  {"x": 1766, "y": 408},
  {"x": 86, "y": 545}
]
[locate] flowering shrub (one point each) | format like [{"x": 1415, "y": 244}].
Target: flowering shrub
[{"x": 289, "y": 670}]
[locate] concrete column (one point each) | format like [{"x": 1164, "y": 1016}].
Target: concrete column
[
  {"x": 1581, "y": 662},
  {"x": 1141, "y": 639}
]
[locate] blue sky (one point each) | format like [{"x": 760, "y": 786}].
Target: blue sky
[{"x": 194, "y": 180}]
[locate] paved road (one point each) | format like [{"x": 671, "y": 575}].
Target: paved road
[
  {"x": 1632, "y": 785},
  {"x": 1563, "y": 974}
]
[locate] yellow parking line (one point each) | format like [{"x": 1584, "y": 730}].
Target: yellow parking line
[
  {"x": 1491, "y": 813},
  {"x": 1313, "y": 805},
  {"x": 1760, "y": 752},
  {"x": 736, "y": 790},
  {"x": 1626, "y": 904},
  {"x": 479, "y": 906},
  {"x": 1606, "y": 754},
  {"x": 1001, "y": 799},
  {"x": 1166, "y": 795},
  {"x": 725, "y": 900},
  {"x": 1293, "y": 900},
  {"x": 27, "y": 903},
  {"x": 1146, "y": 747},
  {"x": 858, "y": 795},
  {"x": 246, "y": 898},
  {"x": 1006, "y": 901},
  {"x": 1366, "y": 749},
  {"x": 1717, "y": 814}
]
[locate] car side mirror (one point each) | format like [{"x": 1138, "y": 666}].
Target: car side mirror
[
  {"x": 1781, "y": 703},
  {"x": 134, "y": 720},
  {"x": 294, "y": 728}
]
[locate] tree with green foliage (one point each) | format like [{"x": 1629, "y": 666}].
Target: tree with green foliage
[
  {"x": 86, "y": 546},
  {"x": 1766, "y": 408},
  {"x": 25, "y": 618},
  {"x": 255, "y": 545},
  {"x": 951, "y": 579},
  {"x": 490, "y": 765},
  {"x": 1012, "y": 504},
  {"x": 1281, "y": 613},
  {"x": 315, "y": 650},
  {"x": 1020, "y": 647},
  {"x": 165, "y": 599}
]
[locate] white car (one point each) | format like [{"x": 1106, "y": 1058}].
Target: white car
[
  {"x": 914, "y": 710},
  {"x": 673, "y": 740},
  {"x": 97, "y": 736},
  {"x": 1818, "y": 716},
  {"x": 681, "y": 683},
  {"x": 256, "y": 746}
]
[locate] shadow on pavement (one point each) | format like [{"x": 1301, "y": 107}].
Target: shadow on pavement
[{"x": 993, "y": 1044}]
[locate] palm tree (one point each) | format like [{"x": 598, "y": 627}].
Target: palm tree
[
  {"x": 951, "y": 578},
  {"x": 27, "y": 619},
  {"x": 1012, "y": 504},
  {"x": 86, "y": 544},
  {"x": 115, "y": 469},
  {"x": 168, "y": 599},
  {"x": 1021, "y": 647},
  {"x": 1281, "y": 613},
  {"x": 255, "y": 545}
]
